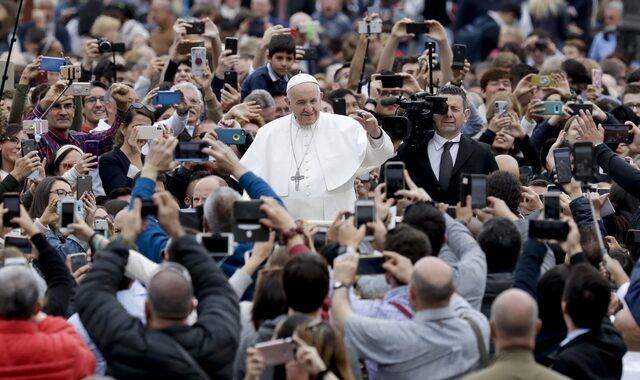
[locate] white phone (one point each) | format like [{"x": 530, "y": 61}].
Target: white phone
[{"x": 149, "y": 132}]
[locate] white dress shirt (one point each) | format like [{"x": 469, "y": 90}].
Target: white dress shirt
[
  {"x": 435, "y": 149},
  {"x": 573, "y": 335},
  {"x": 631, "y": 366}
]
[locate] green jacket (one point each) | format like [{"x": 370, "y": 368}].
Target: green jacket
[{"x": 515, "y": 363}]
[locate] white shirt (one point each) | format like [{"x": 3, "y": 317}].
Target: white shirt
[
  {"x": 631, "y": 366},
  {"x": 435, "y": 149},
  {"x": 573, "y": 335}
]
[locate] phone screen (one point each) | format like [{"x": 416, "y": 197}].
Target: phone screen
[
  {"x": 552, "y": 206},
  {"x": 394, "y": 178},
  {"x": 231, "y": 44},
  {"x": 417, "y": 28},
  {"x": 190, "y": 151},
  {"x": 339, "y": 106},
  {"x": 22, "y": 244},
  {"x": 216, "y": 244},
  {"x": 459, "y": 55},
  {"x": 27, "y": 146},
  {"x": 231, "y": 78},
  {"x": 370, "y": 265},
  {"x": 478, "y": 192},
  {"x": 562, "y": 158},
  {"x": 365, "y": 213},
  {"x": 615, "y": 134},
  {"x": 12, "y": 203},
  {"x": 168, "y": 98},
  {"x": 78, "y": 260},
  {"x": 391, "y": 81},
  {"x": 583, "y": 160},
  {"x": 633, "y": 238},
  {"x": 66, "y": 216}
]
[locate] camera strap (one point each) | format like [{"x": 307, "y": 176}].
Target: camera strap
[{"x": 484, "y": 356}]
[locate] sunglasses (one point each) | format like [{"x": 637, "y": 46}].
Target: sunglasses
[{"x": 139, "y": 106}]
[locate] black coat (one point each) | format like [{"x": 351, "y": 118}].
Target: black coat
[
  {"x": 133, "y": 351},
  {"x": 593, "y": 355},
  {"x": 473, "y": 158}
]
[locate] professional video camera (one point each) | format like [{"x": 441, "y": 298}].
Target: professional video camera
[
  {"x": 106, "y": 46},
  {"x": 419, "y": 109}
]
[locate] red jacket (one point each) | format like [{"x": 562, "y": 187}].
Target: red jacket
[{"x": 48, "y": 350}]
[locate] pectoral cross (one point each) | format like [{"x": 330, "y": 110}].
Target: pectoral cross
[{"x": 297, "y": 179}]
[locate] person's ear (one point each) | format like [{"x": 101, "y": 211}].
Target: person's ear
[
  {"x": 147, "y": 311},
  {"x": 492, "y": 327},
  {"x": 467, "y": 112},
  {"x": 287, "y": 101},
  {"x": 537, "y": 327}
]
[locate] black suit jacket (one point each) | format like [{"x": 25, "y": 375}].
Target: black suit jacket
[
  {"x": 593, "y": 355},
  {"x": 473, "y": 158}
]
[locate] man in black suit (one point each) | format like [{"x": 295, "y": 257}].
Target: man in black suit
[
  {"x": 593, "y": 348},
  {"x": 425, "y": 164}
]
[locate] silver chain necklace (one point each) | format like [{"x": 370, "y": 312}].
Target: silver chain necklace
[{"x": 297, "y": 177}]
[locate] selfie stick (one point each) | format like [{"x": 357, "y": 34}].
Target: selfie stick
[
  {"x": 56, "y": 100},
  {"x": 13, "y": 40},
  {"x": 603, "y": 249},
  {"x": 430, "y": 63},
  {"x": 364, "y": 60}
]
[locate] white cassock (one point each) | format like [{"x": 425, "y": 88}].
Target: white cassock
[{"x": 338, "y": 150}]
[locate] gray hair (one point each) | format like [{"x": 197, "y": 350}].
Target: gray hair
[
  {"x": 218, "y": 209},
  {"x": 615, "y": 5},
  {"x": 188, "y": 86},
  {"x": 262, "y": 98},
  {"x": 18, "y": 293}
]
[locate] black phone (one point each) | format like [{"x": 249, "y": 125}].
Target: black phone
[
  {"x": 562, "y": 158},
  {"x": 231, "y": 78},
  {"x": 28, "y": 146},
  {"x": 231, "y": 43},
  {"x": 633, "y": 238},
  {"x": 526, "y": 174},
  {"x": 552, "y": 206},
  {"x": 191, "y": 151},
  {"x": 148, "y": 209},
  {"x": 85, "y": 185},
  {"x": 310, "y": 55},
  {"x": 617, "y": 133},
  {"x": 575, "y": 108},
  {"x": 339, "y": 106},
  {"x": 397, "y": 127},
  {"x": 11, "y": 201},
  {"x": 394, "y": 178},
  {"x": 197, "y": 27},
  {"x": 583, "y": 158},
  {"x": 21, "y": 243},
  {"x": 391, "y": 81},
  {"x": 247, "y": 226},
  {"x": 417, "y": 28},
  {"x": 548, "y": 229},
  {"x": 67, "y": 214},
  {"x": 452, "y": 212},
  {"x": 368, "y": 265},
  {"x": 218, "y": 245},
  {"x": 478, "y": 191},
  {"x": 459, "y": 55},
  {"x": 78, "y": 260},
  {"x": 365, "y": 212}
]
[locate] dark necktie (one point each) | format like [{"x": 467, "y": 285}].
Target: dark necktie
[{"x": 446, "y": 166}]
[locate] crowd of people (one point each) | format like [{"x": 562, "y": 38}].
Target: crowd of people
[{"x": 258, "y": 189}]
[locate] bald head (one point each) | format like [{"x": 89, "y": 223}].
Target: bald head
[
  {"x": 508, "y": 164},
  {"x": 627, "y": 326},
  {"x": 514, "y": 314},
  {"x": 206, "y": 186},
  {"x": 18, "y": 293},
  {"x": 432, "y": 283},
  {"x": 170, "y": 294}
]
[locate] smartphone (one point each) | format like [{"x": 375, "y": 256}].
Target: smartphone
[
  {"x": 603, "y": 191},
  {"x": 562, "y": 158},
  {"x": 101, "y": 227},
  {"x": 478, "y": 191},
  {"x": 198, "y": 61},
  {"x": 231, "y": 78},
  {"x": 596, "y": 79},
  {"x": 552, "y": 107},
  {"x": 370, "y": 265},
  {"x": 365, "y": 212},
  {"x": 394, "y": 178},
  {"x": 149, "y": 132},
  {"x": 526, "y": 174},
  {"x": 397, "y": 127},
  {"x": 339, "y": 106},
  {"x": 417, "y": 28},
  {"x": 91, "y": 146},
  {"x": 276, "y": 352},
  {"x": 373, "y": 27},
  {"x": 548, "y": 229},
  {"x": 197, "y": 27},
  {"x": 633, "y": 238},
  {"x": 542, "y": 81},
  {"x": 500, "y": 108},
  {"x": 583, "y": 157},
  {"x": 452, "y": 212},
  {"x": 27, "y": 146},
  {"x": 391, "y": 81},
  {"x": 552, "y": 206},
  {"x": 66, "y": 213},
  {"x": 21, "y": 243},
  {"x": 231, "y": 44},
  {"x": 553, "y": 188},
  {"x": 310, "y": 55},
  {"x": 459, "y": 55},
  {"x": 575, "y": 108},
  {"x": 218, "y": 245},
  {"x": 85, "y": 185},
  {"x": 247, "y": 226},
  {"x": 148, "y": 208},
  {"x": 191, "y": 151},
  {"x": 11, "y": 201},
  {"x": 167, "y": 98},
  {"x": 52, "y": 64},
  {"x": 617, "y": 133},
  {"x": 185, "y": 46},
  {"x": 70, "y": 72},
  {"x": 78, "y": 260},
  {"x": 232, "y": 136},
  {"x": 79, "y": 89}
]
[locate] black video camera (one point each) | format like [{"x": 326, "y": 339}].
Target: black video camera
[
  {"x": 419, "y": 109},
  {"x": 106, "y": 46}
]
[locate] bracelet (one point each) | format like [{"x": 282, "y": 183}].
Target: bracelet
[
  {"x": 285, "y": 236},
  {"x": 379, "y": 136}
]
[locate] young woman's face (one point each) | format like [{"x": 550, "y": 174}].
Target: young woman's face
[
  {"x": 59, "y": 190},
  {"x": 10, "y": 147},
  {"x": 130, "y": 130},
  {"x": 69, "y": 161}
]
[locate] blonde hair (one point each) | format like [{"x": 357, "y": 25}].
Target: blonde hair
[
  {"x": 539, "y": 9},
  {"x": 104, "y": 25}
]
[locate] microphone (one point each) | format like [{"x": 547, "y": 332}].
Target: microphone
[{"x": 390, "y": 100}]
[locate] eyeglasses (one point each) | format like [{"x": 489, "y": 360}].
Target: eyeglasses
[
  {"x": 67, "y": 165},
  {"x": 61, "y": 192},
  {"x": 11, "y": 139},
  {"x": 93, "y": 99}
]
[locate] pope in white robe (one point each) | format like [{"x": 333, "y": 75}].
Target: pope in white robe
[{"x": 311, "y": 158}]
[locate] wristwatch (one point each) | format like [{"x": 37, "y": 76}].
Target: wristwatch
[
  {"x": 339, "y": 284},
  {"x": 346, "y": 249}
]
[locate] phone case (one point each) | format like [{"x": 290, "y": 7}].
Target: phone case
[
  {"x": 167, "y": 98},
  {"x": 232, "y": 136},
  {"x": 52, "y": 64},
  {"x": 91, "y": 146},
  {"x": 552, "y": 108},
  {"x": 147, "y": 132},
  {"x": 276, "y": 352},
  {"x": 198, "y": 61}
]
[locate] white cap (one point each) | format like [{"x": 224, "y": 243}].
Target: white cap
[{"x": 300, "y": 79}]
